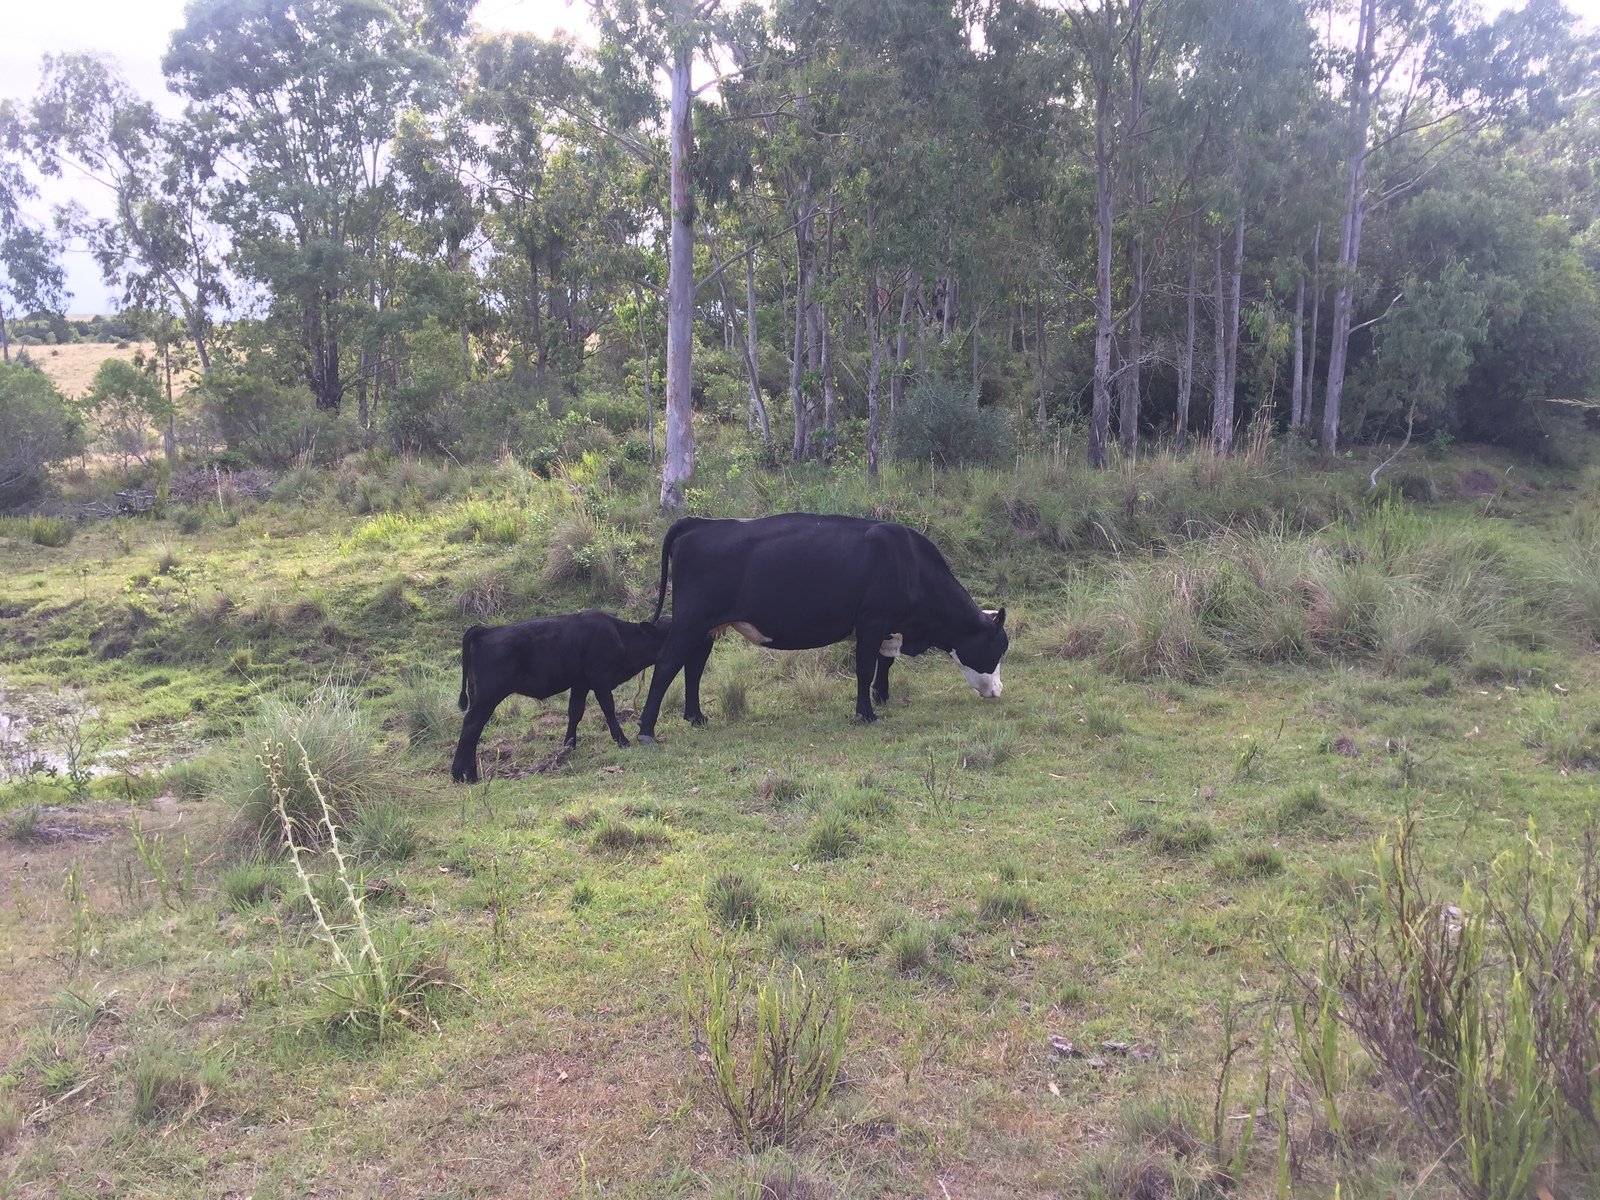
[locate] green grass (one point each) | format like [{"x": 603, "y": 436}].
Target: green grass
[{"x": 1100, "y": 869}]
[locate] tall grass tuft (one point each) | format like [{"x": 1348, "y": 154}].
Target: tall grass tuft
[
  {"x": 582, "y": 553},
  {"x": 734, "y": 899},
  {"x": 54, "y": 532},
  {"x": 249, "y": 883},
  {"x": 334, "y": 753},
  {"x": 389, "y": 978},
  {"x": 768, "y": 1046},
  {"x": 384, "y": 833},
  {"x": 426, "y": 704}
]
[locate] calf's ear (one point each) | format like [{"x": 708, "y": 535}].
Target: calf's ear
[{"x": 1000, "y": 619}]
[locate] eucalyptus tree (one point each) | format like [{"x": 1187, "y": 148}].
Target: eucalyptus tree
[
  {"x": 160, "y": 247},
  {"x": 31, "y": 276},
  {"x": 303, "y": 100},
  {"x": 1421, "y": 76}
]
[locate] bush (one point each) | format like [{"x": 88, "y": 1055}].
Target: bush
[
  {"x": 382, "y": 832},
  {"x": 40, "y": 431},
  {"x": 940, "y": 423},
  {"x": 249, "y": 883},
  {"x": 271, "y": 424},
  {"x": 733, "y": 899},
  {"x": 329, "y": 731},
  {"x": 768, "y": 1051},
  {"x": 41, "y": 531}
]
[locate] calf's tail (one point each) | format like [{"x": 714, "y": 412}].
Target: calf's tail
[
  {"x": 677, "y": 530},
  {"x": 468, "y": 640}
]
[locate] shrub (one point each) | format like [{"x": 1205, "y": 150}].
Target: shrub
[
  {"x": 908, "y": 947},
  {"x": 769, "y": 1050},
  {"x": 327, "y": 733},
  {"x": 833, "y": 836},
  {"x": 39, "y": 432},
  {"x": 581, "y": 553},
  {"x": 1005, "y": 902},
  {"x": 990, "y": 747},
  {"x": 1301, "y": 806},
  {"x": 791, "y": 936},
  {"x": 163, "y": 1081},
  {"x": 426, "y": 703},
  {"x": 382, "y": 832},
  {"x": 271, "y": 424},
  {"x": 734, "y": 694},
  {"x": 1188, "y": 836},
  {"x": 483, "y": 594},
  {"x": 249, "y": 883},
  {"x": 734, "y": 899},
  {"x": 1251, "y": 862},
  {"x": 41, "y": 531},
  {"x": 941, "y": 423}
]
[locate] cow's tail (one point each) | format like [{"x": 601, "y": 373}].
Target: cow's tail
[
  {"x": 677, "y": 530},
  {"x": 469, "y": 639}
]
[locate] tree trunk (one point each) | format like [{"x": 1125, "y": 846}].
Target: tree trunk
[
  {"x": 802, "y": 305},
  {"x": 5, "y": 337},
  {"x": 677, "y": 466},
  {"x": 1186, "y": 368},
  {"x": 1231, "y": 387},
  {"x": 1221, "y": 431},
  {"x": 874, "y": 369},
  {"x": 1128, "y": 417},
  {"x": 1350, "y": 230},
  {"x": 1311, "y": 348},
  {"x": 902, "y": 352},
  {"x": 1296, "y": 389},
  {"x": 1100, "y": 418},
  {"x": 827, "y": 385},
  {"x": 752, "y": 349},
  {"x": 1039, "y": 352},
  {"x": 977, "y": 381},
  {"x": 361, "y": 390},
  {"x": 644, "y": 354},
  {"x": 169, "y": 435}
]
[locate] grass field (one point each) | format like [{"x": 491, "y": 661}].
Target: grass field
[
  {"x": 71, "y": 368},
  {"x": 1225, "y": 684}
]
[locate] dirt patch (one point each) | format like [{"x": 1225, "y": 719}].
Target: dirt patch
[{"x": 1478, "y": 483}]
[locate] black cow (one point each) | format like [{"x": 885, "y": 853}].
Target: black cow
[
  {"x": 581, "y": 652},
  {"x": 799, "y": 581}
]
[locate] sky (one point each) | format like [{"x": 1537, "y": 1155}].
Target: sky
[{"x": 135, "y": 33}]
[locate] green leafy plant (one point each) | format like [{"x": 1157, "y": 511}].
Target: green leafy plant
[{"x": 768, "y": 1043}]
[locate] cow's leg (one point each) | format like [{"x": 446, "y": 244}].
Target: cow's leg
[
  {"x": 866, "y": 665},
  {"x": 669, "y": 662},
  {"x": 880, "y": 684},
  {"x": 603, "y": 696},
  {"x": 464, "y": 768},
  {"x": 575, "y": 706},
  {"x": 692, "y": 670}
]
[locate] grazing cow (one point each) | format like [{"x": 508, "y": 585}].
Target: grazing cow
[
  {"x": 581, "y": 652},
  {"x": 799, "y": 581}
]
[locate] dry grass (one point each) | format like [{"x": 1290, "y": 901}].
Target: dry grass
[{"x": 72, "y": 368}]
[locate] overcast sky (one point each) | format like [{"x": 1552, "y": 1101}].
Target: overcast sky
[{"x": 135, "y": 33}]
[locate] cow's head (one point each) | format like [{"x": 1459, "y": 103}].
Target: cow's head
[{"x": 979, "y": 651}]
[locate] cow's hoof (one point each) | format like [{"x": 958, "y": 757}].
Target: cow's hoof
[
  {"x": 647, "y": 739},
  {"x": 623, "y": 743},
  {"x": 867, "y": 718},
  {"x": 697, "y": 721},
  {"x": 880, "y": 698}
]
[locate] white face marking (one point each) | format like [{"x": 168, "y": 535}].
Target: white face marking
[
  {"x": 891, "y": 646},
  {"x": 987, "y": 686}
]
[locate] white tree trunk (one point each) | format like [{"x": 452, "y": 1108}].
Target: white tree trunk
[
  {"x": 1186, "y": 368},
  {"x": 1350, "y": 230},
  {"x": 677, "y": 464}
]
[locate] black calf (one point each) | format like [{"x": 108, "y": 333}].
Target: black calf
[{"x": 579, "y": 652}]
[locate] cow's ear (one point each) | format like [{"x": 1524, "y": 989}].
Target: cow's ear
[{"x": 1000, "y": 619}]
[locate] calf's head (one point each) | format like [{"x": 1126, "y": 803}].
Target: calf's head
[{"x": 978, "y": 652}]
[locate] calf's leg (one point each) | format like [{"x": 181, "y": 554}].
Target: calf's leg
[
  {"x": 603, "y": 696},
  {"x": 464, "y": 768}
]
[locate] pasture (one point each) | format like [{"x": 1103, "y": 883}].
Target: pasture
[{"x": 1227, "y": 682}]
